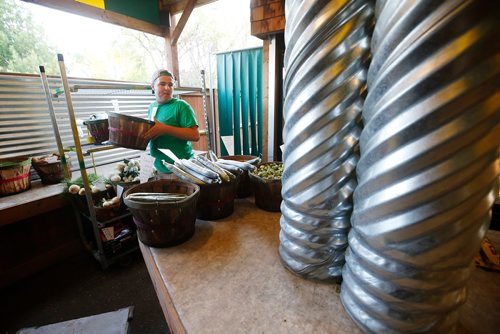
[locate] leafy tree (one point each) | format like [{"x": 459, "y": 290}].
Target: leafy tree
[
  {"x": 208, "y": 31},
  {"x": 23, "y": 45}
]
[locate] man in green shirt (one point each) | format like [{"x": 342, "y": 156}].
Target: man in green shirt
[{"x": 176, "y": 125}]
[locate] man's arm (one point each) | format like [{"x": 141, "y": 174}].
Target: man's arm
[{"x": 160, "y": 129}]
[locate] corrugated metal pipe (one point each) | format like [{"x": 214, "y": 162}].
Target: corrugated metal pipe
[
  {"x": 326, "y": 62},
  {"x": 429, "y": 167}
]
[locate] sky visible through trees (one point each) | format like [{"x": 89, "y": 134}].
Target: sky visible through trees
[{"x": 95, "y": 49}]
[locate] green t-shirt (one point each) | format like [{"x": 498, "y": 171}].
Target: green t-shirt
[{"x": 178, "y": 113}]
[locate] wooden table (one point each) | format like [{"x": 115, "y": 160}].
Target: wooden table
[{"x": 229, "y": 279}]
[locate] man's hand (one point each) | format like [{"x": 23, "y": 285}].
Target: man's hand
[
  {"x": 157, "y": 130},
  {"x": 160, "y": 129}
]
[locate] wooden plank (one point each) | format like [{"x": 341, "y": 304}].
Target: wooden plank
[
  {"x": 275, "y": 9},
  {"x": 37, "y": 200},
  {"x": 171, "y": 51},
  {"x": 265, "y": 100},
  {"x": 167, "y": 305},
  {"x": 177, "y": 6},
  {"x": 196, "y": 101},
  {"x": 39, "y": 262},
  {"x": 102, "y": 15},
  {"x": 257, "y": 3},
  {"x": 265, "y": 27},
  {"x": 182, "y": 22}
]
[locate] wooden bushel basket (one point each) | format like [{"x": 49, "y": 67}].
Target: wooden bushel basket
[
  {"x": 14, "y": 175},
  {"x": 50, "y": 172},
  {"x": 163, "y": 224},
  {"x": 127, "y": 131},
  {"x": 244, "y": 187},
  {"x": 267, "y": 192},
  {"x": 216, "y": 200},
  {"x": 98, "y": 128}
]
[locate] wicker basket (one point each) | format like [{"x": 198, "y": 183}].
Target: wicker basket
[
  {"x": 267, "y": 192},
  {"x": 126, "y": 131},
  {"x": 50, "y": 172},
  {"x": 98, "y": 128},
  {"x": 164, "y": 224},
  {"x": 244, "y": 187},
  {"x": 14, "y": 175},
  {"x": 102, "y": 214},
  {"x": 216, "y": 200}
]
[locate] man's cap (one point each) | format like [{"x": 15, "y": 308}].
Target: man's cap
[{"x": 160, "y": 73}]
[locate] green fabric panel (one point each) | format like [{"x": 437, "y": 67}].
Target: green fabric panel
[
  {"x": 259, "y": 100},
  {"x": 239, "y": 83},
  {"x": 245, "y": 96},
  {"x": 145, "y": 10},
  {"x": 228, "y": 64},
  {"x": 225, "y": 118},
  {"x": 252, "y": 92},
  {"x": 236, "y": 57}
]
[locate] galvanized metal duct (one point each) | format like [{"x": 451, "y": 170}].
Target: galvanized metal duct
[
  {"x": 429, "y": 166},
  {"x": 326, "y": 60}
]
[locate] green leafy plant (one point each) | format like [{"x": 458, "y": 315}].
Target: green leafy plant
[{"x": 93, "y": 179}]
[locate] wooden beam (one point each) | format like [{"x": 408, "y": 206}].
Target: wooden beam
[
  {"x": 182, "y": 22},
  {"x": 176, "y": 6},
  {"x": 267, "y": 17},
  {"x": 101, "y": 15},
  {"x": 171, "y": 50},
  {"x": 265, "y": 102}
]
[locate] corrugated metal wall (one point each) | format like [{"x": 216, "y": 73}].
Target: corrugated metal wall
[{"x": 25, "y": 125}]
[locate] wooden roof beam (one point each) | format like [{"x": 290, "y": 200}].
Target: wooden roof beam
[
  {"x": 182, "y": 21},
  {"x": 178, "y": 6},
  {"x": 82, "y": 9}
]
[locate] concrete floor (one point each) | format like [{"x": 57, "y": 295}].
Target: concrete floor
[{"x": 78, "y": 288}]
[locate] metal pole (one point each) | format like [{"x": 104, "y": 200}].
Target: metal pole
[
  {"x": 81, "y": 161},
  {"x": 60, "y": 147},
  {"x": 204, "y": 87},
  {"x": 212, "y": 104}
]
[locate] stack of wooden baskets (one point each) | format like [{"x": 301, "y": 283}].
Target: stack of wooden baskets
[{"x": 14, "y": 175}]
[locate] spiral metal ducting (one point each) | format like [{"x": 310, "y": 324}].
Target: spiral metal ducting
[
  {"x": 326, "y": 62},
  {"x": 429, "y": 166}
]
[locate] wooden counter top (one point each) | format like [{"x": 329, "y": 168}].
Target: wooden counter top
[
  {"x": 37, "y": 200},
  {"x": 229, "y": 279}
]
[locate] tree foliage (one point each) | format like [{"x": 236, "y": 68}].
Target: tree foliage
[
  {"x": 23, "y": 44},
  {"x": 208, "y": 31},
  {"x": 131, "y": 55}
]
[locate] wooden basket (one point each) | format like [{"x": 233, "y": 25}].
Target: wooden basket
[
  {"x": 14, "y": 175},
  {"x": 244, "y": 186},
  {"x": 164, "y": 224},
  {"x": 102, "y": 214},
  {"x": 98, "y": 128},
  {"x": 127, "y": 131},
  {"x": 50, "y": 172},
  {"x": 267, "y": 192},
  {"x": 216, "y": 200}
]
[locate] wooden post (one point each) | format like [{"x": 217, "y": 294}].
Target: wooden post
[{"x": 171, "y": 50}]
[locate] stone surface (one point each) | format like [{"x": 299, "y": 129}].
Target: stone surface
[{"x": 229, "y": 279}]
